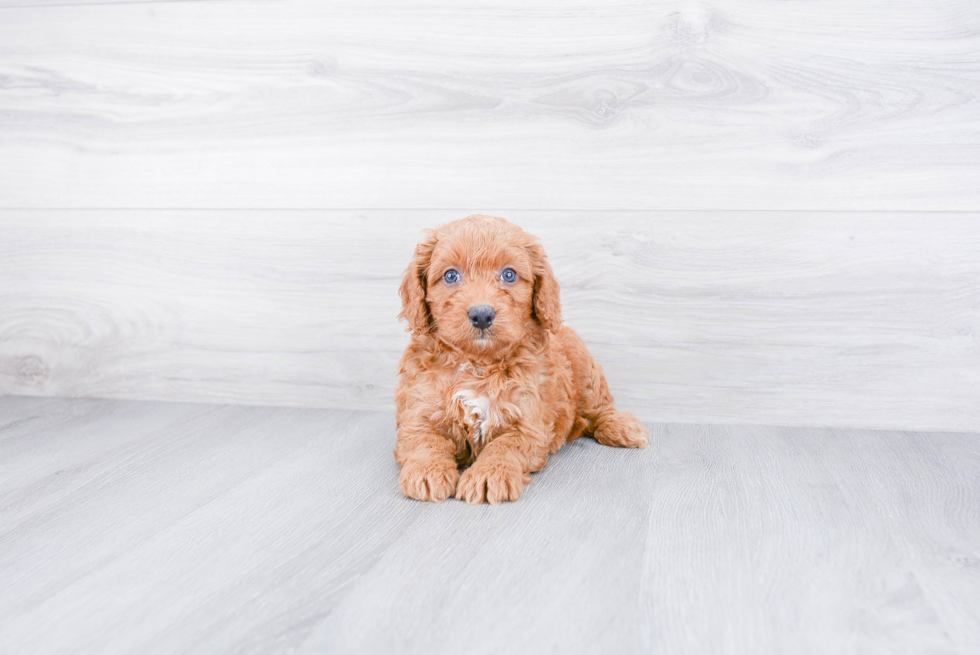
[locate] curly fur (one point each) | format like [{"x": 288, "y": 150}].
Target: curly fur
[{"x": 496, "y": 403}]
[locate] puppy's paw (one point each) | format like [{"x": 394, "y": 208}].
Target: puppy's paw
[
  {"x": 429, "y": 480},
  {"x": 622, "y": 429},
  {"x": 491, "y": 481}
]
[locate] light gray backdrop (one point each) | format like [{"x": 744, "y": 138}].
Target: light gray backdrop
[{"x": 759, "y": 211}]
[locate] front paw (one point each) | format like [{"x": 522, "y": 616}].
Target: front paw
[
  {"x": 429, "y": 480},
  {"x": 491, "y": 481}
]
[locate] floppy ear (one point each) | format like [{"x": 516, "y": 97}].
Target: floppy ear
[
  {"x": 415, "y": 309},
  {"x": 546, "y": 305}
]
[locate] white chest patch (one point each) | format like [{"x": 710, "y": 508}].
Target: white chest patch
[{"x": 477, "y": 409}]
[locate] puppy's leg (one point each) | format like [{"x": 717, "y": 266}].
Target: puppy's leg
[
  {"x": 428, "y": 461},
  {"x": 503, "y": 468},
  {"x": 614, "y": 428},
  {"x": 607, "y": 425}
]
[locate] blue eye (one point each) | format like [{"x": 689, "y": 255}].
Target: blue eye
[
  {"x": 451, "y": 276},
  {"x": 509, "y": 275}
]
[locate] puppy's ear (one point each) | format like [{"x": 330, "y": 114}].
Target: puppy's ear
[
  {"x": 415, "y": 309},
  {"x": 546, "y": 305}
]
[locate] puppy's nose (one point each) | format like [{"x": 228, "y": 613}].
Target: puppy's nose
[{"x": 482, "y": 316}]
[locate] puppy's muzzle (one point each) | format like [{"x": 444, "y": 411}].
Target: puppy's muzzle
[{"x": 482, "y": 316}]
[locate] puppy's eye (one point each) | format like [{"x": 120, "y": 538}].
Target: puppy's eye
[
  {"x": 451, "y": 276},
  {"x": 509, "y": 275}
]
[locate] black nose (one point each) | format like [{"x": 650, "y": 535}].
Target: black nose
[{"x": 482, "y": 316}]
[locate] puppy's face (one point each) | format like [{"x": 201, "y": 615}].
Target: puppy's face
[
  {"x": 480, "y": 284},
  {"x": 480, "y": 294}
]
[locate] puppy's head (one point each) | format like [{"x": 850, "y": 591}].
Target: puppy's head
[{"x": 480, "y": 284}]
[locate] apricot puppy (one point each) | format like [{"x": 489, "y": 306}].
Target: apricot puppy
[{"x": 492, "y": 381}]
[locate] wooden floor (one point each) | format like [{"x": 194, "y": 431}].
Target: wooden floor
[{"x": 141, "y": 527}]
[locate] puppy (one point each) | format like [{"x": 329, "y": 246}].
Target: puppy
[{"x": 492, "y": 381}]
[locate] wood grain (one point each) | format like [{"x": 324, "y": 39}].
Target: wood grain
[
  {"x": 146, "y": 527},
  {"x": 847, "y": 319},
  {"x": 838, "y": 105}
]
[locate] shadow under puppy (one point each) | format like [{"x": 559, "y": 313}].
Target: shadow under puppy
[{"x": 492, "y": 380}]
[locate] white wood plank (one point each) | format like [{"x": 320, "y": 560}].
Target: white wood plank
[
  {"x": 34, "y": 4},
  {"x": 15, "y": 412},
  {"x": 264, "y": 530},
  {"x": 790, "y": 318},
  {"x": 845, "y": 104},
  {"x": 74, "y": 428}
]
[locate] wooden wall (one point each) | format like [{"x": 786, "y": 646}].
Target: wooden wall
[{"x": 760, "y": 211}]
